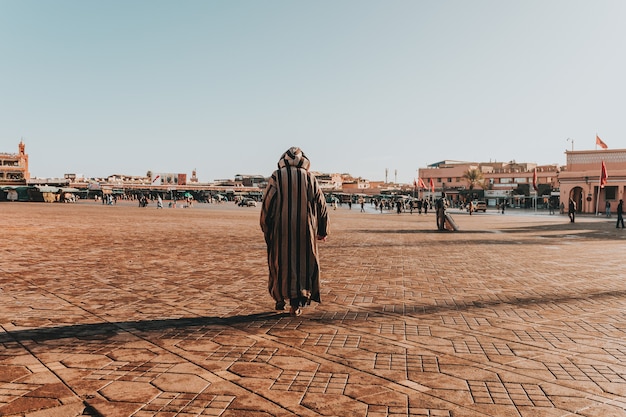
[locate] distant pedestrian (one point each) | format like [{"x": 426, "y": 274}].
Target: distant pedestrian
[
  {"x": 607, "y": 207},
  {"x": 571, "y": 210},
  {"x": 503, "y": 206},
  {"x": 620, "y": 214},
  {"x": 294, "y": 217},
  {"x": 440, "y": 207}
]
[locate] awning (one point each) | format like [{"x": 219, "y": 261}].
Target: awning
[{"x": 47, "y": 189}]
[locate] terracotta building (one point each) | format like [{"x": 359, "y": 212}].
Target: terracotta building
[
  {"x": 14, "y": 167},
  {"x": 510, "y": 182},
  {"x": 580, "y": 180}
]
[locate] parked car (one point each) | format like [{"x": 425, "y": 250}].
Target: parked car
[
  {"x": 478, "y": 205},
  {"x": 247, "y": 202}
]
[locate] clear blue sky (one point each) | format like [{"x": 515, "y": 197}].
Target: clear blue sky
[{"x": 105, "y": 87}]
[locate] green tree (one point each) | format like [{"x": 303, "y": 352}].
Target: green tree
[{"x": 474, "y": 177}]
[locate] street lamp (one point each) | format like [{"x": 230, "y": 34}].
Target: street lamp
[{"x": 571, "y": 140}]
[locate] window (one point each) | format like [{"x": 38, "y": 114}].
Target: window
[{"x": 611, "y": 192}]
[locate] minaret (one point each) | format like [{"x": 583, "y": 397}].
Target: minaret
[{"x": 23, "y": 159}]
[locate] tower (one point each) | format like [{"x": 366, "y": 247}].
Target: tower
[{"x": 23, "y": 159}]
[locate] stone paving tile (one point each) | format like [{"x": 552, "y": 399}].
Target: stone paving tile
[{"x": 166, "y": 313}]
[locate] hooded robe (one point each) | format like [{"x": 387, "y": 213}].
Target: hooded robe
[{"x": 293, "y": 214}]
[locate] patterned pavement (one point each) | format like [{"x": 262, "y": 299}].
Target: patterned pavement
[{"x": 127, "y": 311}]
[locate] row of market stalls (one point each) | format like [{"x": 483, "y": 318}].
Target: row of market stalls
[
  {"x": 52, "y": 194},
  {"x": 38, "y": 193}
]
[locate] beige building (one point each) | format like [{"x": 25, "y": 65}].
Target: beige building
[
  {"x": 14, "y": 167},
  {"x": 329, "y": 182},
  {"x": 580, "y": 180},
  {"x": 512, "y": 182}
]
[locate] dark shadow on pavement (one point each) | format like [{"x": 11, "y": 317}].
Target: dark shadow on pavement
[
  {"x": 102, "y": 331},
  {"x": 588, "y": 230},
  {"x": 423, "y": 231},
  {"x": 522, "y": 302}
]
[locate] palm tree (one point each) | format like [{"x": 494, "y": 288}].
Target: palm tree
[{"x": 474, "y": 177}]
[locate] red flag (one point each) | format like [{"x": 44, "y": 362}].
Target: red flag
[
  {"x": 604, "y": 176},
  {"x": 535, "y": 179},
  {"x": 432, "y": 185},
  {"x": 421, "y": 183},
  {"x": 600, "y": 143}
]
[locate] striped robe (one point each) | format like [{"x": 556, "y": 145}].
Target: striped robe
[{"x": 293, "y": 214}]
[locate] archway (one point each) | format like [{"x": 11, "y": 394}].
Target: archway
[{"x": 577, "y": 195}]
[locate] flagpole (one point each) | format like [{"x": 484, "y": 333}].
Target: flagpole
[
  {"x": 535, "y": 188},
  {"x": 603, "y": 180},
  {"x": 598, "y": 196}
]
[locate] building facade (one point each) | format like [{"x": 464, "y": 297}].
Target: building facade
[
  {"x": 14, "y": 167},
  {"x": 510, "y": 182},
  {"x": 580, "y": 180}
]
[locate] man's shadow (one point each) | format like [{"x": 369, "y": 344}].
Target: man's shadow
[{"x": 102, "y": 331}]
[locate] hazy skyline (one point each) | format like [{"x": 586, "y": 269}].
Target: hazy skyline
[{"x": 99, "y": 88}]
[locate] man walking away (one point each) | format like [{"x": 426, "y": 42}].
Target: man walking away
[
  {"x": 293, "y": 218},
  {"x": 571, "y": 210}
]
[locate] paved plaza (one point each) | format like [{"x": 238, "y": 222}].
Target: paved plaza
[{"x": 128, "y": 311}]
